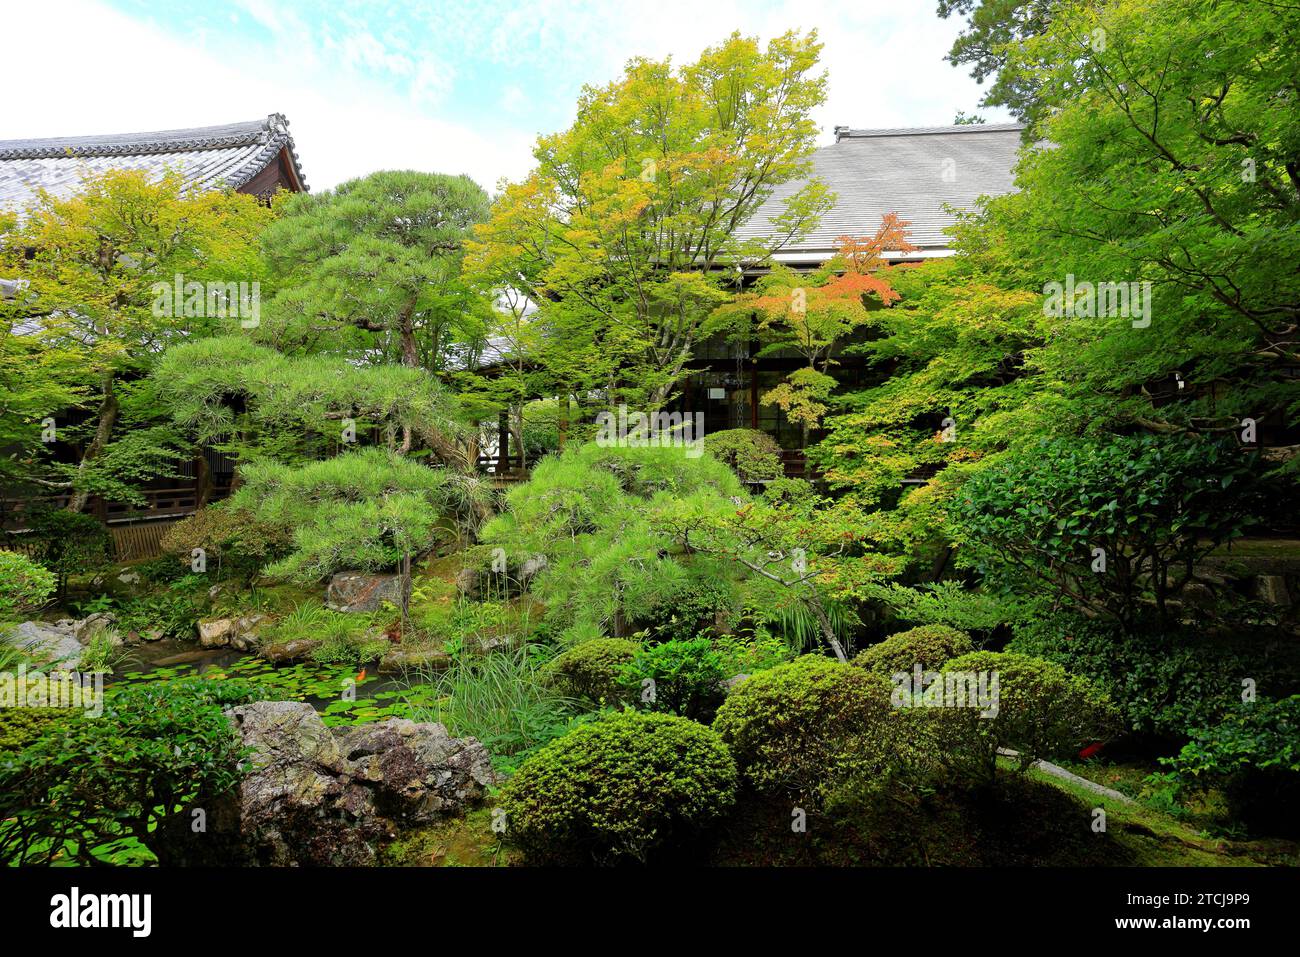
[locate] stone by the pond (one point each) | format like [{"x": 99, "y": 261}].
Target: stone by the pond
[
  {"x": 237, "y": 633},
  {"x": 364, "y": 592},
  {"x": 287, "y": 652},
  {"x": 216, "y": 632},
  {"x": 48, "y": 643},
  {"x": 313, "y": 797},
  {"x": 244, "y": 635},
  {"x": 404, "y": 659},
  {"x": 420, "y": 773},
  {"x": 91, "y": 625}
]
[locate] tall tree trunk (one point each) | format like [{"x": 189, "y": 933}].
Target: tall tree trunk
[
  {"x": 406, "y": 329},
  {"x": 517, "y": 430},
  {"x": 828, "y": 630},
  {"x": 202, "y": 480},
  {"x": 103, "y": 430}
]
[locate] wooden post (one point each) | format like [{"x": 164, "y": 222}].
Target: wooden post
[{"x": 503, "y": 442}]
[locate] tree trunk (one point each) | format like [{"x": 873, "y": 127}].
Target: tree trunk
[
  {"x": 103, "y": 430},
  {"x": 406, "y": 329},
  {"x": 563, "y": 426},
  {"x": 202, "y": 481},
  {"x": 828, "y": 631}
]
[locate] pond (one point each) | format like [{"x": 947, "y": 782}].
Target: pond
[{"x": 342, "y": 693}]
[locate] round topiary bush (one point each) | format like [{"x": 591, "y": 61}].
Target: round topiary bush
[
  {"x": 626, "y": 787},
  {"x": 593, "y": 670},
  {"x": 1037, "y": 709},
  {"x": 755, "y": 456},
  {"x": 810, "y": 725},
  {"x": 930, "y": 646}
]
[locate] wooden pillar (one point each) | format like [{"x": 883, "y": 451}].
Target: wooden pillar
[{"x": 503, "y": 442}]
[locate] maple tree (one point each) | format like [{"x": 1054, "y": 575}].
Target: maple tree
[
  {"x": 813, "y": 315},
  {"x": 90, "y": 264},
  {"x": 622, "y": 234}
]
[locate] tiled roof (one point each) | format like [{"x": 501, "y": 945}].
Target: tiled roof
[
  {"x": 206, "y": 157},
  {"x": 912, "y": 172}
]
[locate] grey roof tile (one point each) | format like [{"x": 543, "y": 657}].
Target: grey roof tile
[
  {"x": 912, "y": 172},
  {"x": 208, "y": 156}
]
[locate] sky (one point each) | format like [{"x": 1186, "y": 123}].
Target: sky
[{"x": 463, "y": 86}]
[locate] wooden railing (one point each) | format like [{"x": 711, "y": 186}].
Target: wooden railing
[
  {"x": 174, "y": 502},
  {"x": 507, "y": 475}
]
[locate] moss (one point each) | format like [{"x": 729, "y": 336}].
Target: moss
[
  {"x": 467, "y": 841},
  {"x": 628, "y": 786},
  {"x": 1028, "y": 821}
]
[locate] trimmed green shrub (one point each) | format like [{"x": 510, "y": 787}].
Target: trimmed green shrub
[
  {"x": 593, "y": 670},
  {"x": 686, "y": 678},
  {"x": 628, "y": 786},
  {"x": 755, "y": 456},
  {"x": 1038, "y": 710},
  {"x": 1253, "y": 756},
  {"x": 930, "y": 646},
  {"x": 807, "y": 727},
  {"x": 232, "y": 538},
  {"x": 24, "y": 585},
  {"x": 19, "y": 727}
]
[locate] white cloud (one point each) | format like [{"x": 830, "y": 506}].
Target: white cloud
[{"x": 360, "y": 99}]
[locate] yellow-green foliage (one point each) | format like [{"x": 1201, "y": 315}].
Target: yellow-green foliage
[
  {"x": 754, "y": 455},
  {"x": 24, "y": 585},
  {"x": 929, "y": 646},
  {"x": 593, "y": 670}
]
